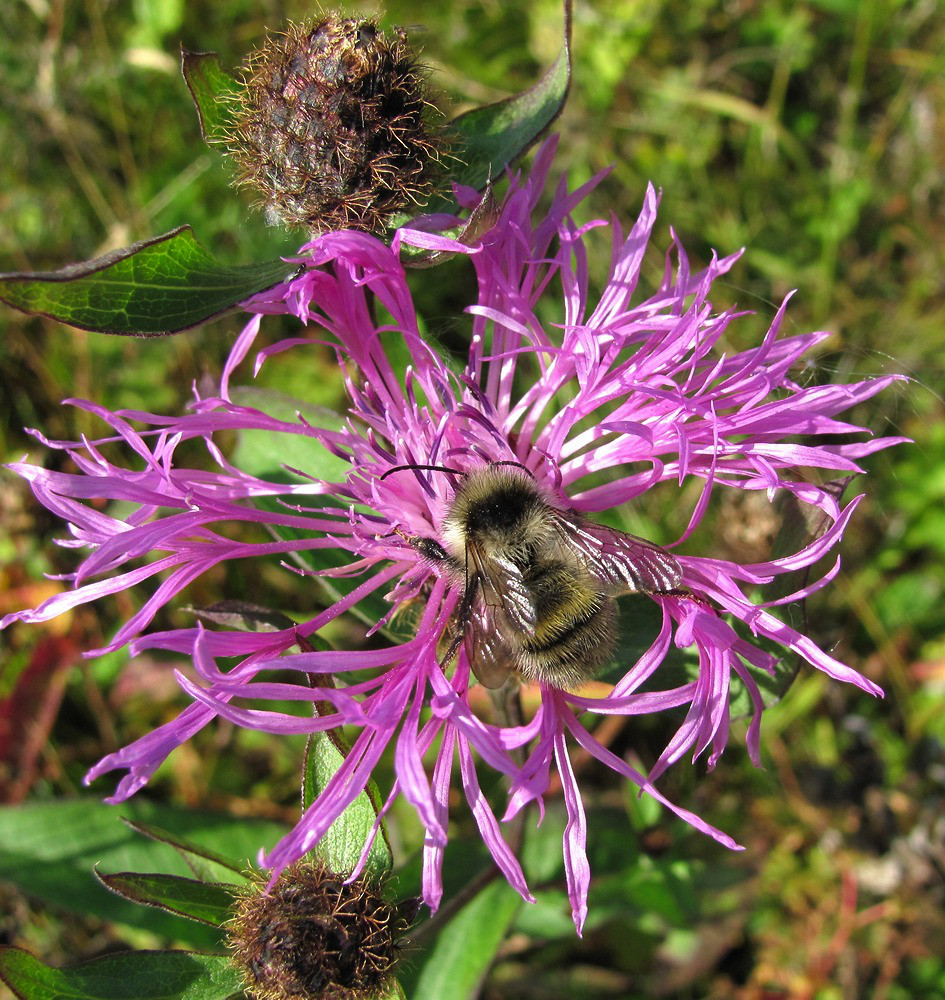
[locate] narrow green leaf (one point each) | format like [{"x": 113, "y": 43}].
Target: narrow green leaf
[
  {"x": 466, "y": 947},
  {"x": 325, "y": 752},
  {"x": 344, "y": 840},
  {"x": 214, "y": 91},
  {"x": 482, "y": 218},
  {"x": 206, "y": 902},
  {"x": 132, "y": 975},
  {"x": 207, "y": 865},
  {"x": 489, "y": 138},
  {"x": 158, "y": 286},
  {"x": 262, "y": 454},
  {"x": 640, "y": 621},
  {"x": 243, "y": 616}
]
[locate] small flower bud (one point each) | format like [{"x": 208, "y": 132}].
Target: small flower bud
[
  {"x": 334, "y": 129},
  {"x": 313, "y": 936}
]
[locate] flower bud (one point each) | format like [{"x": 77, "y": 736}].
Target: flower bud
[
  {"x": 311, "y": 935},
  {"x": 334, "y": 130}
]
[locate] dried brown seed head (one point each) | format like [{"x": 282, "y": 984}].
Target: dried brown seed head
[
  {"x": 313, "y": 936},
  {"x": 335, "y": 130}
]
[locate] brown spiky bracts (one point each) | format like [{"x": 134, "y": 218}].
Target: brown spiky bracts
[
  {"x": 334, "y": 130},
  {"x": 311, "y": 935}
]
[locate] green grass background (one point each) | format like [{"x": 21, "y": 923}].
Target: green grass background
[{"x": 811, "y": 132}]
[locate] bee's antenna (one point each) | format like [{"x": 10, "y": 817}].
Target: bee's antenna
[
  {"x": 518, "y": 465},
  {"x": 446, "y": 468},
  {"x": 431, "y": 468}
]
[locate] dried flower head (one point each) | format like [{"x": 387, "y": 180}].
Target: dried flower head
[
  {"x": 314, "y": 935},
  {"x": 334, "y": 130}
]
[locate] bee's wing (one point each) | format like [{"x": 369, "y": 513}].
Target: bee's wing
[
  {"x": 505, "y": 607},
  {"x": 504, "y": 591},
  {"x": 490, "y": 656},
  {"x": 622, "y": 563}
]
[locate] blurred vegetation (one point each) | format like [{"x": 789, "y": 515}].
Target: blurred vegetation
[{"x": 813, "y": 133}]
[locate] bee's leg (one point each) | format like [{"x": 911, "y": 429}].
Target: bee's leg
[
  {"x": 430, "y": 549},
  {"x": 464, "y": 611},
  {"x": 451, "y": 650},
  {"x": 689, "y": 595},
  {"x": 461, "y": 617}
]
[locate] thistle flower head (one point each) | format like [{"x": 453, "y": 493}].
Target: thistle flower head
[
  {"x": 333, "y": 128},
  {"x": 313, "y": 934},
  {"x": 612, "y": 398}
]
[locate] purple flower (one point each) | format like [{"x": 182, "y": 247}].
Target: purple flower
[{"x": 642, "y": 389}]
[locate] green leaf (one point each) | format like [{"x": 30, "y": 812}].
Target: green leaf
[
  {"x": 132, "y": 975},
  {"x": 482, "y": 218},
  {"x": 49, "y": 850},
  {"x": 214, "y": 91},
  {"x": 550, "y": 918},
  {"x": 640, "y": 621},
  {"x": 158, "y": 286},
  {"x": 466, "y": 947},
  {"x": 262, "y": 454},
  {"x": 344, "y": 840},
  {"x": 207, "y": 865},
  {"x": 490, "y": 137},
  {"x": 207, "y": 902},
  {"x": 243, "y": 616}
]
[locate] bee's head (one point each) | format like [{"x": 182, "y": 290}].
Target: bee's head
[{"x": 500, "y": 509}]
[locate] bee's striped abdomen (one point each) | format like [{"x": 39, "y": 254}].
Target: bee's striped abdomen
[{"x": 574, "y": 625}]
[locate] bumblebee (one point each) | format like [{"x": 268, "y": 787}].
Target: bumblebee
[{"x": 539, "y": 579}]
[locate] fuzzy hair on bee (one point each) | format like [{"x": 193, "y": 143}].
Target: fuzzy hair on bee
[{"x": 539, "y": 579}]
